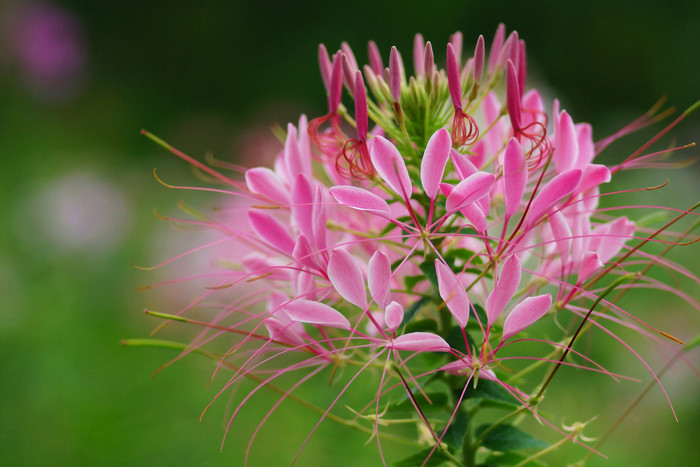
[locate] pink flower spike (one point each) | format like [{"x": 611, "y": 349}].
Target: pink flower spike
[
  {"x": 434, "y": 159},
  {"x": 514, "y": 175},
  {"x": 307, "y": 311},
  {"x": 513, "y": 96},
  {"x": 361, "y": 118},
  {"x": 506, "y": 286},
  {"x": 391, "y": 167},
  {"x": 470, "y": 189},
  {"x": 453, "y": 293},
  {"x": 335, "y": 84},
  {"x": 453, "y": 80},
  {"x": 557, "y": 189},
  {"x": 420, "y": 342},
  {"x": 395, "y": 74},
  {"x": 379, "y": 278},
  {"x": 496, "y": 46},
  {"x": 375, "y": 58},
  {"x": 428, "y": 61},
  {"x": 325, "y": 65},
  {"x": 265, "y": 182},
  {"x": 393, "y": 316},
  {"x": 479, "y": 56},
  {"x": 271, "y": 231},
  {"x": 525, "y": 313},
  {"x": 346, "y": 278},
  {"x": 418, "y": 55},
  {"x": 360, "y": 199},
  {"x": 456, "y": 41}
]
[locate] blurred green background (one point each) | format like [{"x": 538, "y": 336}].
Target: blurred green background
[{"x": 79, "y": 79}]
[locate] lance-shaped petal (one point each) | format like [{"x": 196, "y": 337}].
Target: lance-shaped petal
[
  {"x": 593, "y": 176},
  {"x": 346, "y": 278},
  {"x": 335, "y": 84},
  {"x": 470, "y": 189},
  {"x": 522, "y": 64},
  {"x": 514, "y": 175},
  {"x": 375, "y": 58},
  {"x": 393, "y": 316},
  {"x": 453, "y": 293},
  {"x": 271, "y": 231},
  {"x": 557, "y": 189},
  {"x": 360, "y": 199},
  {"x": 434, "y": 159},
  {"x": 453, "y": 81},
  {"x": 589, "y": 265},
  {"x": 361, "y": 118},
  {"x": 391, "y": 167},
  {"x": 462, "y": 165},
  {"x": 513, "y": 96},
  {"x": 304, "y": 253},
  {"x": 418, "y": 58},
  {"x": 283, "y": 332},
  {"x": 525, "y": 313},
  {"x": 265, "y": 182},
  {"x": 308, "y": 311},
  {"x": 379, "y": 278},
  {"x": 395, "y": 74},
  {"x": 302, "y": 195},
  {"x": 429, "y": 60},
  {"x": 496, "y": 46},
  {"x": 325, "y": 65},
  {"x": 479, "y": 54},
  {"x": 508, "y": 282},
  {"x": 456, "y": 41},
  {"x": 561, "y": 233},
  {"x": 465, "y": 367},
  {"x": 566, "y": 155},
  {"x": 420, "y": 342},
  {"x": 472, "y": 212}
]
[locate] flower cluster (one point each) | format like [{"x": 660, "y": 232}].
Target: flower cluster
[{"x": 422, "y": 232}]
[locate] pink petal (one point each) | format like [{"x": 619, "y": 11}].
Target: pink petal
[
  {"x": 375, "y": 58},
  {"x": 318, "y": 219},
  {"x": 391, "y": 167},
  {"x": 462, "y": 165},
  {"x": 302, "y": 195},
  {"x": 496, "y": 46},
  {"x": 346, "y": 278},
  {"x": 479, "y": 54},
  {"x": 557, "y": 189},
  {"x": 292, "y": 157},
  {"x": 429, "y": 60},
  {"x": 505, "y": 288},
  {"x": 562, "y": 235},
  {"x": 271, "y": 231},
  {"x": 304, "y": 253},
  {"x": 453, "y": 80},
  {"x": 593, "y": 176},
  {"x": 335, "y": 84},
  {"x": 589, "y": 265},
  {"x": 307, "y": 311},
  {"x": 361, "y": 118},
  {"x": 420, "y": 342},
  {"x": 456, "y": 41},
  {"x": 393, "y": 316},
  {"x": 418, "y": 51},
  {"x": 566, "y": 152},
  {"x": 263, "y": 181},
  {"x": 360, "y": 199},
  {"x": 395, "y": 72},
  {"x": 513, "y": 96},
  {"x": 470, "y": 189},
  {"x": 464, "y": 368},
  {"x": 586, "y": 149},
  {"x": 525, "y": 313},
  {"x": 514, "y": 175},
  {"x": 325, "y": 64},
  {"x": 475, "y": 216},
  {"x": 434, "y": 159},
  {"x": 453, "y": 293},
  {"x": 379, "y": 278},
  {"x": 282, "y": 332}
]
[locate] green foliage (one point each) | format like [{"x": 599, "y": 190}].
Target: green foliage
[
  {"x": 504, "y": 438},
  {"x": 438, "y": 458}
]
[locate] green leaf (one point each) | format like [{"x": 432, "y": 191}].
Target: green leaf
[
  {"x": 421, "y": 325},
  {"x": 456, "y": 339},
  {"x": 411, "y": 311},
  {"x": 492, "y": 393},
  {"x": 438, "y": 402},
  {"x": 438, "y": 458},
  {"x": 694, "y": 342},
  {"x": 428, "y": 268},
  {"x": 496, "y": 459},
  {"x": 508, "y": 438},
  {"x": 455, "y": 432},
  {"x": 411, "y": 281}
]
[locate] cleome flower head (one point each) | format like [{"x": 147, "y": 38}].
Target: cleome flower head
[{"x": 426, "y": 229}]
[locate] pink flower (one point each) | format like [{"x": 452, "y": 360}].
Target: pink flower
[{"x": 448, "y": 233}]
